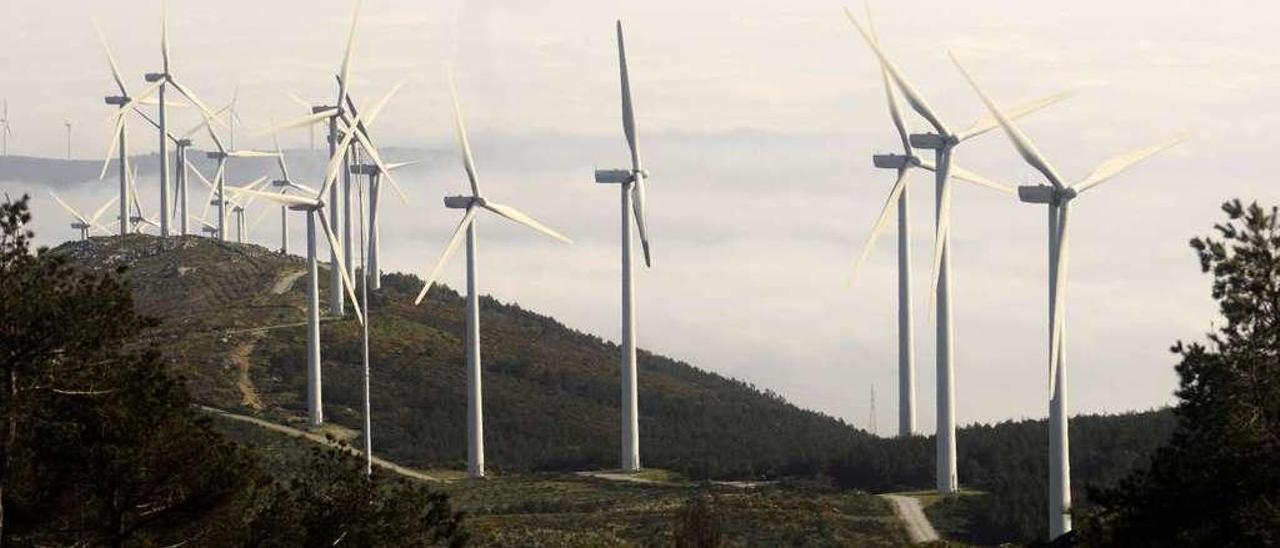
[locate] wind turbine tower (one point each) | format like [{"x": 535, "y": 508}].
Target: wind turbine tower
[
  {"x": 1058, "y": 196},
  {"x": 631, "y": 183},
  {"x": 473, "y": 204},
  {"x": 942, "y": 141}
]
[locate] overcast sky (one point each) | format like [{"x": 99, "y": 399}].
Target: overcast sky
[{"x": 758, "y": 120}]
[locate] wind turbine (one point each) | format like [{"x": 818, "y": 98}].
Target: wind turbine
[
  {"x": 332, "y": 114},
  {"x": 5, "y": 132},
  {"x": 1058, "y": 196},
  {"x": 473, "y": 204},
  {"x": 943, "y": 142},
  {"x": 898, "y": 195},
  {"x": 364, "y": 305},
  {"x": 633, "y": 201},
  {"x": 119, "y": 134},
  {"x": 82, "y": 223},
  {"x": 219, "y": 177},
  {"x": 164, "y": 79},
  {"x": 284, "y": 183},
  {"x": 375, "y": 169},
  {"x": 137, "y": 219},
  {"x": 314, "y": 207},
  {"x": 238, "y": 208},
  {"x": 67, "y": 124}
]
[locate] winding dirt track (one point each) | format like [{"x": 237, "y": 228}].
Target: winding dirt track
[
  {"x": 912, "y": 515},
  {"x": 316, "y": 438}
]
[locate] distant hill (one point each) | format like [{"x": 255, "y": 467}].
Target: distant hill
[
  {"x": 231, "y": 319},
  {"x": 307, "y": 165}
]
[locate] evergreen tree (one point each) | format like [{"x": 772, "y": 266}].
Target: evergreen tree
[{"x": 1217, "y": 482}]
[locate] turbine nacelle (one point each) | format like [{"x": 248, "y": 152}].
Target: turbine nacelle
[
  {"x": 463, "y": 202},
  {"x": 365, "y": 169},
  {"x": 79, "y": 226},
  {"x": 280, "y": 183},
  {"x": 155, "y": 76},
  {"x": 933, "y": 141},
  {"x": 619, "y": 176},
  {"x": 894, "y": 161},
  {"x": 118, "y": 100},
  {"x": 1045, "y": 194},
  {"x": 182, "y": 142},
  {"x": 215, "y": 155}
]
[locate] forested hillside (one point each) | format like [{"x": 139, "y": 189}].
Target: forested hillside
[{"x": 230, "y": 316}]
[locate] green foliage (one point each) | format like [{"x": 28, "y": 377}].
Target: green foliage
[
  {"x": 1216, "y": 483},
  {"x": 1008, "y": 463},
  {"x": 698, "y": 524},
  {"x": 103, "y": 447},
  {"x": 330, "y": 501}
]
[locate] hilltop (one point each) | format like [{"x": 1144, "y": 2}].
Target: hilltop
[{"x": 231, "y": 318}]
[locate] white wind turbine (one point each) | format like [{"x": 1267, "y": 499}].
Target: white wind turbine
[
  {"x": 473, "y": 204},
  {"x": 138, "y": 218},
  {"x": 219, "y": 177},
  {"x": 898, "y": 195},
  {"x": 1058, "y": 196},
  {"x": 633, "y": 201},
  {"x": 164, "y": 79},
  {"x": 181, "y": 144},
  {"x": 943, "y": 142},
  {"x": 284, "y": 183},
  {"x": 118, "y": 134},
  {"x": 314, "y": 207},
  {"x": 82, "y": 223},
  {"x": 374, "y": 170},
  {"x": 238, "y": 207},
  {"x": 337, "y": 155}
]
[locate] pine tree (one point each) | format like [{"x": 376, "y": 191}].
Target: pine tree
[{"x": 1217, "y": 483}]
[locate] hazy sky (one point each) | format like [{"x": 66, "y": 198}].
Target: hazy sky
[{"x": 758, "y": 120}]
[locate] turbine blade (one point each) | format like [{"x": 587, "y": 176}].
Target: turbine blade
[
  {"x": 342, "y": 270},
  {"x": 638, "y": 207},
  {"x": 628, "y": 108},
  {"x": 111, "y": 59},
  {"x": 1020, "y": 141},
  {"x": 195, "y": 100},
  {"x": 967, "y": 176},
  {"x": 164, "y": 34},
  {"x": 69, "y": 209},
  {"x": 940, "y": 239},
  {"x": 382, "y": 167},
  {"x": 1059, "y": 299},
  {"x": 1115, "y": 166},
  {"x": 345, "y": 71},
  {"x": 881, "y": 221},
  {"x": 250, "y": 154},
  {"x": 204, "y": 122},
  {"x": 101, "y": 210},
  {"x": 913, "y": 97},
  {"x": 282, "y": 199},
  {"x": 988, "y": 122},
  {"x": 284, "y": 169},
  {"x": 336, "y": 163},
  {"x": 461, "y": 129},
  {"x": 449, "y": 248},
  {"x": 515, "y": 215},
  {"x": 397, "y": 165},
  {"x": 298, "y": 99},
  {"x": 895, "y": 110},
  {"x": 116, "y": 131},
  {"x": 304, "y": 121}
]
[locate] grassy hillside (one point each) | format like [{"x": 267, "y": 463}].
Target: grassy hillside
[
  {"x": 567, "y": 510},
  {"x": 231, "y": 323}
]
